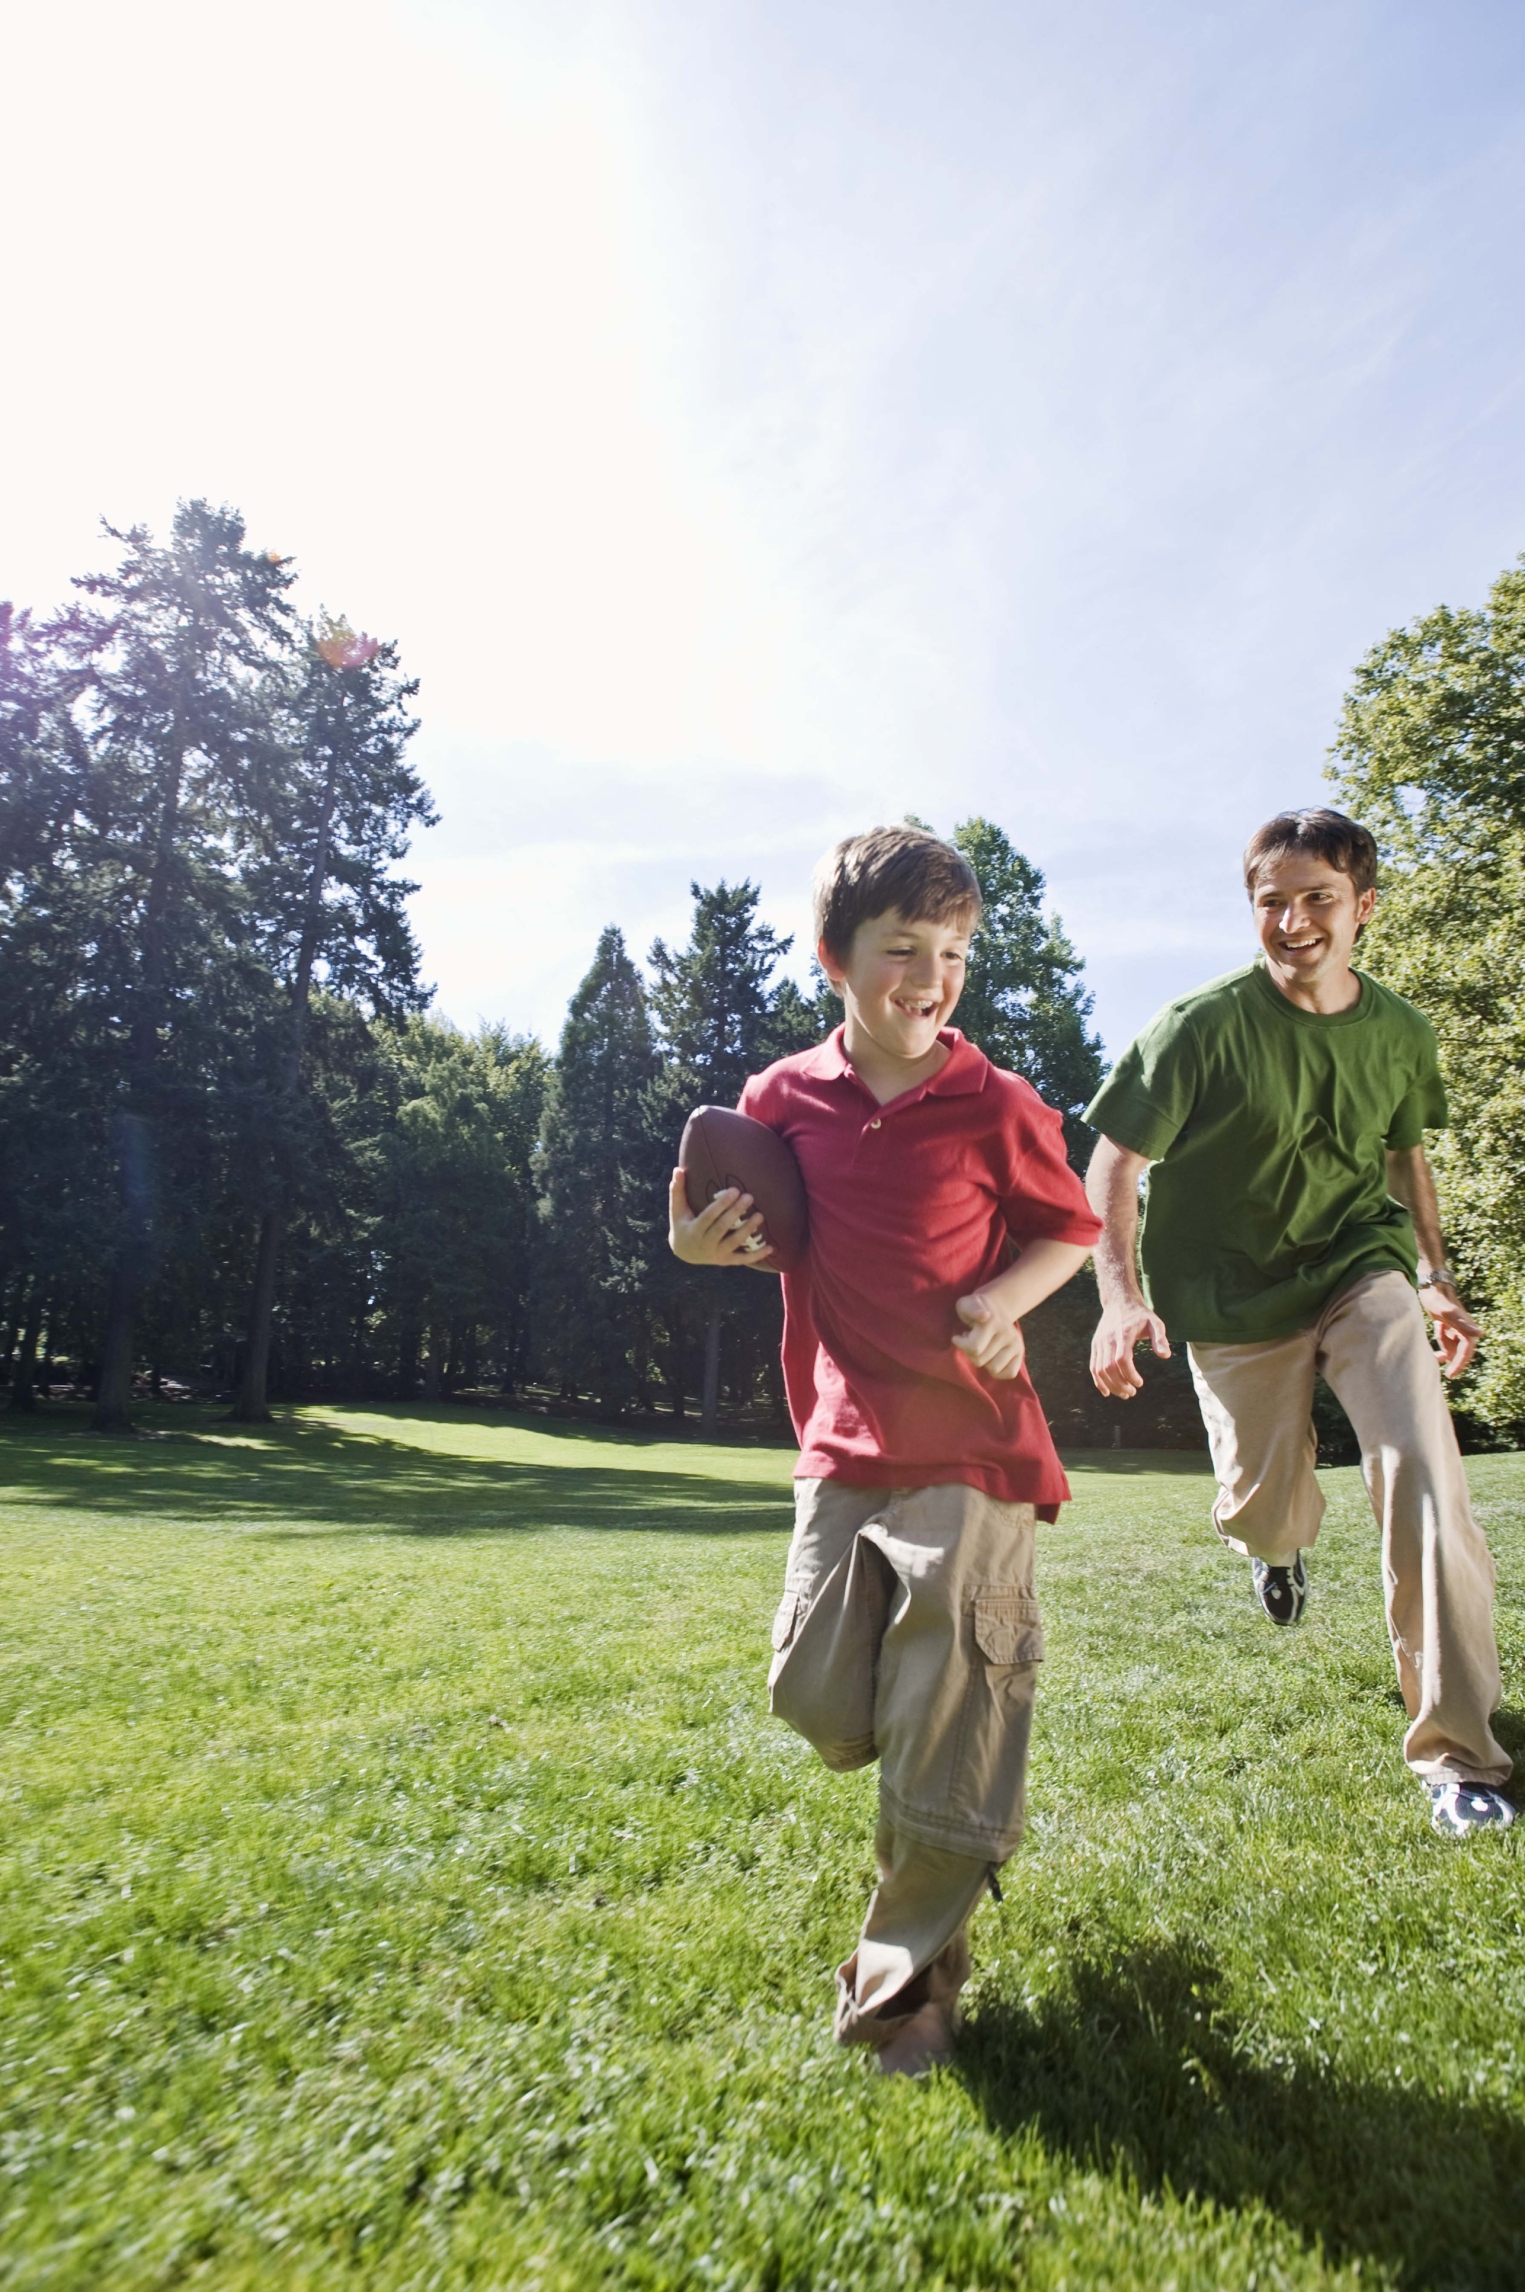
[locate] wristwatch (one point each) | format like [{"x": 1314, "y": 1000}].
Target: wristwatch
[{"x": 1439, "y": 1277}]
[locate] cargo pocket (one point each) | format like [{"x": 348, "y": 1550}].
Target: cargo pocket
[
  {"x": 1006, "y": 1627},
  {"x": 786, "y": 1621},
  {"x": 991, "y": 1767}
]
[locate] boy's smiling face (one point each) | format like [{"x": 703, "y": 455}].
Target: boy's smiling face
[{"x": 899, "y": 983}]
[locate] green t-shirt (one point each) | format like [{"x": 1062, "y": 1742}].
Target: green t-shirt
[{"x": 1268, "y": 1127}]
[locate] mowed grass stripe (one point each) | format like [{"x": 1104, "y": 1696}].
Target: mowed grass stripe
[{"x": 404, "y": 1885}]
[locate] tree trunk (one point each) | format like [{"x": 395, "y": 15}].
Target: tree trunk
[
  {"x": 113, "y": 1391},
  {"x": 711, "y": 1401},
  {"x": 23, "y": 1388},
  {"x": 251, "y": 1403},
  {"x": 129, "y": 1277}
]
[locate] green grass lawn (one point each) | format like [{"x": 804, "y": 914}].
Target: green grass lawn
[{"x": 405, "y": 1886}]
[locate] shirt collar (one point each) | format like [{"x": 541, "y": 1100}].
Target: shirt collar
[{"x": 963, "y": 1074}]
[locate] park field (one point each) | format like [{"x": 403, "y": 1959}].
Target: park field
[{"x": 404, "y": 1886}]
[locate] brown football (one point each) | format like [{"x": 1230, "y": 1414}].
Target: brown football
[{"x": 722, "y": 1148}]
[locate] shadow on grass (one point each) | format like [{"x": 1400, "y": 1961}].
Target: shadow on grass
[
  {"x": 294, "y": 1478},
  {"x": 1509, "y": 1727},
  {"x": 1137, "y": 2066}
]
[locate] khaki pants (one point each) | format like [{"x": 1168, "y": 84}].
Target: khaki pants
[
  {"x": 1371, "y": 1348},
  {"x": 908, "y": 1632}
]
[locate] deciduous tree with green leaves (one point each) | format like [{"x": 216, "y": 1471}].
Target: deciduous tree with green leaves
[
  {"x": 458, "y": 1232},
  {"x": 1431, "y": 756}
]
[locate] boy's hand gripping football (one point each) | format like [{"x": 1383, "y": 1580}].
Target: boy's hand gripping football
[
  {"x": 719, "y": 1234},
  {"x": 992, "y": 1341}
]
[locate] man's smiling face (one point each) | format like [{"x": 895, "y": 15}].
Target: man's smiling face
[
  {"x": 1307, "y": 914},
  {"x": 901, "y": 981}
]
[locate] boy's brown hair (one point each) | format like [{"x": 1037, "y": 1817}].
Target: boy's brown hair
[
  {"x": 908, "y": 870},
  {"x": 1314, "y": 834}
]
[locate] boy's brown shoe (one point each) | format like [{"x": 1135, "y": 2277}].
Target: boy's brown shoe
[{"x": 923, "y": 2043}]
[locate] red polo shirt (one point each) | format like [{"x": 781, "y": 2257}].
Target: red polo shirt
[{"x": 912, "y": 1205}]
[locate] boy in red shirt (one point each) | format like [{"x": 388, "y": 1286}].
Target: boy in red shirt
[{"x": 908, "y": 1630}]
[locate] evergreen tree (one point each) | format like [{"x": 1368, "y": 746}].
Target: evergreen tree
[
  {"x": 54, "y": 1081},
  {"x": 1430, "y": 755},
  {"x": 595, "y": 1294},
  {"x": 174, "y": 655},
  {"x": 719, "y": 1020},
  {"x": 1023, "y": 1001},
  {"x": 336, "y": 801}
]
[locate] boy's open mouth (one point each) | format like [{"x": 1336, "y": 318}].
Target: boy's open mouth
[{"x": 920, "y": 1010}]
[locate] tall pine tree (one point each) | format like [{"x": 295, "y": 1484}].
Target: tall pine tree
[
  {"x": 175, "y": 651},
  {"x": 336, "y": 801},
  {"x": 595, "y": 1293},
  {"x": 1023, "y": 1001},
  {"x": 719, "y": 1019}
]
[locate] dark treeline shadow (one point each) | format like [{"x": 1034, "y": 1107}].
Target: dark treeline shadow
[
  {"x": 1137, "y": 2068},
  {"x": 306, "y": 1479}
]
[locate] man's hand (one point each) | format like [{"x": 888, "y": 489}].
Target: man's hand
[
  {"x": 992, "y": 1342},
  {"x": 719, "y": 1234},
  {"x": 1456, "y": 1333},
  {"x": 1113, "y": 1368}
]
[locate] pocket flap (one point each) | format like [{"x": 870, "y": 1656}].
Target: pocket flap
[
  {"x": 1007, "y": 1629},
  {"x": 785, "y": 1620}
]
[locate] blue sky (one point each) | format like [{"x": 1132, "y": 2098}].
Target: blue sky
[{"x": 754, "y": 421}]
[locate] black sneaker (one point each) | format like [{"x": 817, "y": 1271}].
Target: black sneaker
[
  {"x": 1282, "y": 1592},
  {"x": 1458, "y": 1809}
]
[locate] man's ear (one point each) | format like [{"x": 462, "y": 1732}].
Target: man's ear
[{"x": 1366, "y": 905}]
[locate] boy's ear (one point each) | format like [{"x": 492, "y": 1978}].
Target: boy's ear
[{"x": 829, "y": 964}]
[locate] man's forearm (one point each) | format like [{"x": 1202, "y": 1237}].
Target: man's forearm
[
  {"x": 1112, "y": 1190},
  {"x": 1412, "y": 1182}
]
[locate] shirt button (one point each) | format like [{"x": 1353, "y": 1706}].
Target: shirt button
[{"x": 875, "y": 1123}]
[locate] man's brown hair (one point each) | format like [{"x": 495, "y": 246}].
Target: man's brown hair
[
  {"x": 1314, "y": 834},
  {"x": 908, "y": 870}
]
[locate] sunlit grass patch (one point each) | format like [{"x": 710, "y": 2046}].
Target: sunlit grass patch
[{"x": 404, "y": 1886}]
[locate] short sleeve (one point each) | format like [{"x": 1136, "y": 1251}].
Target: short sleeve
[
  {"x": 1044, "y": 1200},
  {"x": 1423, "y": 1105},
  {"x": 1146, "y": 1100}
]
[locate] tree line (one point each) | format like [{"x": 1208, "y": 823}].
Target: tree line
[
  {"x": 238, "y": 1154},
  {"x": 236, "y": 1151}
]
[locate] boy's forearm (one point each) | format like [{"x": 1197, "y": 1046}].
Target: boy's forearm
[{"x": 1043, "y": 1267}]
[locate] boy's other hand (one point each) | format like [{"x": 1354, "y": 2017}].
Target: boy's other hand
[
  {"x": 992, "y": 1342},
  {"x": 719, "y": 1234},
  {"x": 1113, "y": 1368}
]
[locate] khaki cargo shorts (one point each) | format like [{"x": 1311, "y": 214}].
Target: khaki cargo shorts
[{"x": 909, "y": 1632}]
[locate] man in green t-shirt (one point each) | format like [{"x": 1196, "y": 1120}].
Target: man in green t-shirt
[{"x": 1280, "y": 1113}]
